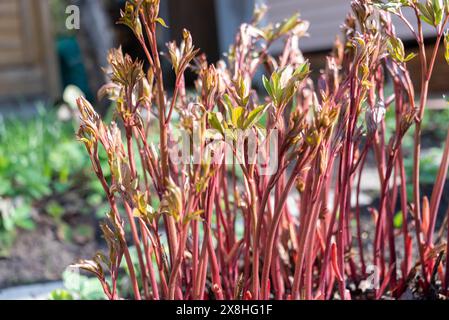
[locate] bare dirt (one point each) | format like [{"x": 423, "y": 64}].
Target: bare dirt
[{"x": 40, "y": 256}]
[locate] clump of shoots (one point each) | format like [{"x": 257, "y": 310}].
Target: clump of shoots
[{"x": 231, "y": 198}]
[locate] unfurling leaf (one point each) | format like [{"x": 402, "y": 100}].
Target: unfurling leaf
[
  {"x": 282, "y": 83},
  {"x": 437, "y": 6},
  {"x": 242, "y": 91},
  {"x": 267, "y": 85},
  {"x": 374, "y": 117},
  {"x": 125, "y": 70},
  {"x": 142, "y": 209},
  {"x": 181, "y": 56},
  {"x": 410, "y": 56},
  {"x": 289, "y": 24},
  {"x": 397, "y": 52},
  {"x": 171, "y": 203},
  {"x": 216, "y": 121},
  {"x": 254, "y": 117},
  {"x": 92, "y": 266},
  {"x": 237, "y": 117},
  {"x": 161, "y": 22},
  {"x": 431, "y": 12},
  {"x": 193, "y": 216},
  {"x": 130, "y": 18}
]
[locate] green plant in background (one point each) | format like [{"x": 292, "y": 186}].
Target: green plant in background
[
  {"x": 40, "y": 159},
  {"x": 13, "y": 215},
  {"x": 80, "y": 287},
  {"x": 430, "y": 164},
  {"x": 434, "y": 126},
  {"x": 31, "y": 162}
]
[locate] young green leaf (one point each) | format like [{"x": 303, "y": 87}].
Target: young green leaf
[
  {"x": 397, "y": 52},
  {"x": 227, "y": 105},
  {"x": 193, "y": 216},
  {"x": 437, "y": 6},
  {"x": 289, "y": 24},
  {"x": 215, "y": 122},
  {"x": 254, "y": 117},
  {"x": 267, "y": 85},
  {"x": 431, "y": 11},
  {"x": 237, "y": 117},
  {"x": 425, "y": 15}
]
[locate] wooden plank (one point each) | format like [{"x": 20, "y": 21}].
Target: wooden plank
[
  {"x": 32, "y": 31},
  {"x": 28, "y": 64},
  {"x": 10, "y": 41},
  {"x": 9, "y": 24},
  {"x": 23, "y": 81},
  {"x": 11, "y": 57},
  {"x": 49, "y": 58},
  {"x": 8, "y": 7}
]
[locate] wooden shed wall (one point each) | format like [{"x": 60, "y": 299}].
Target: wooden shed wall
[
  {"x": 325, "y": 17},
  {"x": 28, "y": 64}
]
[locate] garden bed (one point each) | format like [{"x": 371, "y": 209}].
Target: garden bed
[{"x": 39, "y": 256}]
